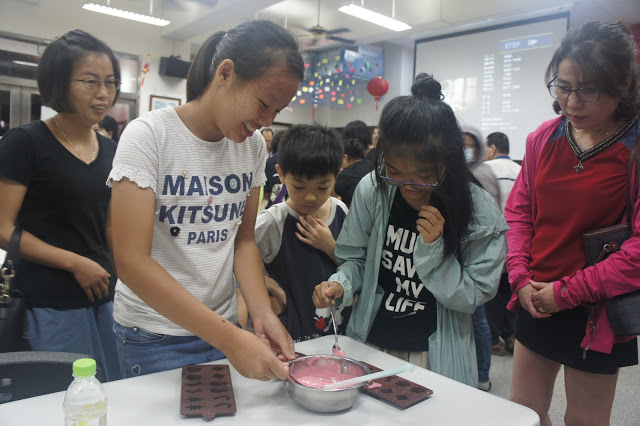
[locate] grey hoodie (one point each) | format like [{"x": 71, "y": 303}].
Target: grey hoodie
[{"x": 483, "y": 172}]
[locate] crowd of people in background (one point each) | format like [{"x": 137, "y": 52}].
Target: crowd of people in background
[{"x": 432, "y": 243}]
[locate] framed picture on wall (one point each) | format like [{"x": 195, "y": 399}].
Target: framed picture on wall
[{"x": 157, "y": 102}]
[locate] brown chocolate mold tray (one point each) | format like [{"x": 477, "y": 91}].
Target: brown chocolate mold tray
[
  {"x": 395, "y": 390},
  {"x": 207, "y": 391}
]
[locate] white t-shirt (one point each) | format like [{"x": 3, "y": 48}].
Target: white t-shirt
[
  {"x": 506, "y": 170},
  {"x": 201, "y": 190}
]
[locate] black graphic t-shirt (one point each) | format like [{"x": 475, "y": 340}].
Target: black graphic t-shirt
[{"x": 407, "y": 316}]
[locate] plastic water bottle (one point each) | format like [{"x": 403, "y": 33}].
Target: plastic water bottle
[{"x": 85, "y": 403}]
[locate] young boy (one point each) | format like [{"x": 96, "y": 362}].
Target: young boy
[{"x": 296, "y": 238}]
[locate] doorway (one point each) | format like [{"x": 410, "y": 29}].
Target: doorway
[{"x": 19, "y": 104}]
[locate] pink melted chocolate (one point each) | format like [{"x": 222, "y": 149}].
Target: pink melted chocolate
[
  {"x": 338, "y": 352},
  {"x": 315, "y": 374},
  {"x": 318, "y": 377}
]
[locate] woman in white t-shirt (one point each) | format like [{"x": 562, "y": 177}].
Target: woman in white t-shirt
[{"x": 186, "y": 184}]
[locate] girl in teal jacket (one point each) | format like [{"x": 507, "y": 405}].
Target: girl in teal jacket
[{"x": 423, "y": 244}]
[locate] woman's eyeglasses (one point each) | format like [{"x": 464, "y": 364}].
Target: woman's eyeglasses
[
  {"x": 415, "y": 185},
  {"x": 93, "y": 84},
  {"x": 583, "y": 93}
]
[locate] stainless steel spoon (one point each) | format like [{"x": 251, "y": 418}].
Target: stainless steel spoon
[{"x": 337, "y": 351}]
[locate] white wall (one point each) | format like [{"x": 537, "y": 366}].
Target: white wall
[{"x": 45, "y": 20}]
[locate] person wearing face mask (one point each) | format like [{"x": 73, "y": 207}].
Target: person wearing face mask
[
  {"x": 574, "y": 179},
  {"x": 423, "y": 245},
  {"x": 474, "y": 155},
  {"x": 52, "y": 175},
  {"x": 186, "y": 184}
]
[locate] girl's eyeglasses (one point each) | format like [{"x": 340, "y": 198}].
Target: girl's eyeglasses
[{"x": 415, "y": 185}]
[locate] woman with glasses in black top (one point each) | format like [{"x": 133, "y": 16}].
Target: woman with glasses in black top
[{"x": 52, "y": 185}]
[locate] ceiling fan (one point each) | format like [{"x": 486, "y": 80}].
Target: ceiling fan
[{"x": 320, "y": 36}]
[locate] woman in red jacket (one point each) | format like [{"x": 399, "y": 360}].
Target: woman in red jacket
[{"x": 574, "y": 180}]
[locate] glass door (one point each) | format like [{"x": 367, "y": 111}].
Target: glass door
[
  {"x": 9, "y": 108},
  {"x": 31, "y": 105},
  {"x": 18, "y": 105}
]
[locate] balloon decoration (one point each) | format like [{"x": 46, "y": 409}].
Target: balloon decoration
[
  {"x": 145, "y": 69},
  {"x": 377, "y": 87}
]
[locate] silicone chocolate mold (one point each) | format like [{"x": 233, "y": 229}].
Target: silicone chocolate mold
[
  {"x": 395, "y": 390},
  {"x": 207, "y": 391}
]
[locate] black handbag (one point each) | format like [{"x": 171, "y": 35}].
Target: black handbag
[
  {"x": 12, "y": 304},
  {"x": 623, "y": 311}
]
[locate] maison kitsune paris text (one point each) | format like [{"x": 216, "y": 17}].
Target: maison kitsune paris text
[{"x": 197, "y": 189}]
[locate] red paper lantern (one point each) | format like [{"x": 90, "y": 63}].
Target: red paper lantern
[{"x": 377, "y": 87}]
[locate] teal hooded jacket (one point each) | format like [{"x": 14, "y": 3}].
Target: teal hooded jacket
[{"x": 458, "y": 289}]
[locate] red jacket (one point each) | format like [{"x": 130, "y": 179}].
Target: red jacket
[{"x": 618, "y": 274}]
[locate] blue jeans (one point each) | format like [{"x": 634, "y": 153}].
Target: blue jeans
[
  {"x": 82, "y": 330},
  {"x": 483, "y": 342},
  {"x": 143, "y": 352}
]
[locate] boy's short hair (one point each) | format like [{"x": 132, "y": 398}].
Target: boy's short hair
[
  {"x": 310, "y": 151},
  {"x": 500, "y": 140}
]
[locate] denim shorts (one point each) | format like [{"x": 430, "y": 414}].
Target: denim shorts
[
  {"x": 144, "y": 352},
  {"x": 81, "y": 330}
]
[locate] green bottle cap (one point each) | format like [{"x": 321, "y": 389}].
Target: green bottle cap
[{"x": 84, "y": 367}]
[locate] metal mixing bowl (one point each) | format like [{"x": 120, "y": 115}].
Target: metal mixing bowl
[{"x": 325, "y": 400}]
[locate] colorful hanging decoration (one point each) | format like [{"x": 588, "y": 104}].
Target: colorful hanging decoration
[
  {"x": 145, "y": 69},
  {"x": 377, "y": 87},
  {"x": 315, "y": 101},
  {"x": 338, "y": 78}
]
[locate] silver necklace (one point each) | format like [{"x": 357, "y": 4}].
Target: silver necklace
[
  {"x": 583, "y": 155},
  {"x": 578, "y": 142},
  {"x": 93, "y": 154}
]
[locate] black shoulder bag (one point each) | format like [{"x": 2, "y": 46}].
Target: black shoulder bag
[
  {"x": 623, "y": 311},
  {"x": 12, "y": 306}
]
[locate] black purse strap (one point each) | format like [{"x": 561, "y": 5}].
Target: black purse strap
[
  {"x": 14, "y": 245},
  {"x": 8, "y": 270}
]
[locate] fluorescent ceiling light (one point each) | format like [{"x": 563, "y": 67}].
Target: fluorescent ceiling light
[
  {"x": 374, "y": 17},
  {"x": 29, "y": 64},
  {"x": 125, "y": 14}
]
